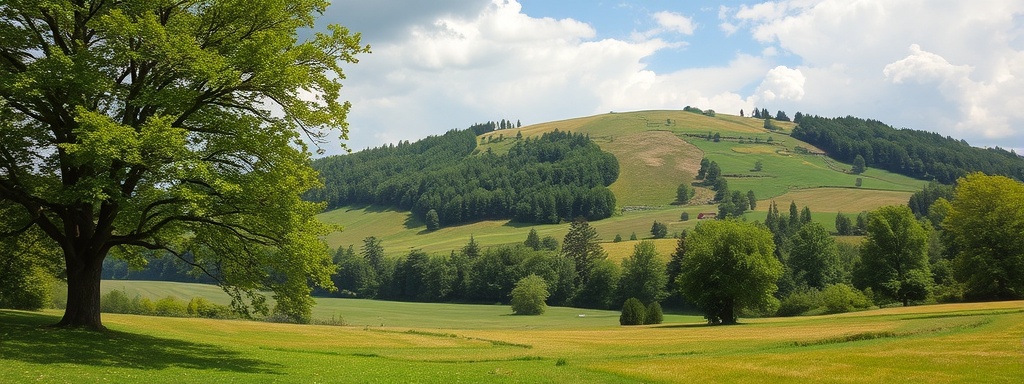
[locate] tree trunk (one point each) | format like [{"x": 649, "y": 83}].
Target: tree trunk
[{"x": 83, "y": 307}]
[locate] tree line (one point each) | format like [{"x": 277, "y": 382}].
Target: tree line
[
  {"x": 920, "y": 154},
  {"x": 441, "y": 180}
]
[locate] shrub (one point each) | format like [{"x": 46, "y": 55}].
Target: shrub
[
  {"x": 529, "y": 295},
  {"x": 170, "y": 306},
  {"x": 25, "y": 286},
  {"x": 839, "y": 298},
  {"x": 799, "y": 302},
  {"x": 685, "y": 216},
  {"x": 654, "y": 314},
  {"x": 633, "y": 312},
  {"x": 115, "y": 302}
]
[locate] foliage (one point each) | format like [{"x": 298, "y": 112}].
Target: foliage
[
  {"x": 659, "y": 230},
  {"x": 529, "y": 295},
  {"x": 654, "y": 314},
  {"x": 633, "y": 312},
  {"x": 685, "y": 216},
  {"x": 617, "y": 239},
  {"x": 559, "y": 175},
  {"x": 919, "y": 154},
  {"x": 800, "y": 301},
  {"x": 532, "y": 240},
  {"x": 684, "y": 193},
  {"x": 582, "y": 247},
  {"x": 729, "y": 265},
  {"x": 858, "y": 165},
  {"x": 599, "y": 291},
  {"x": 117, "y": 301},
  {"x": 814, "y": 257},
  {"x": 29, "y": 265},
  {"x": 894, "y": 259},
  {"x": 922, "y": 200},
  {"x": 432, "y": 220},
  {"x": 841, "y": 298},
  {"x": 643, "y": 274},
  {"x": 172, "y": 126},
  {"x": 844, "y": 226},
  {"x": 985, "y": 224}
]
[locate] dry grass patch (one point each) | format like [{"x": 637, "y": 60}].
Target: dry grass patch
[
  {"x": 846, "y": 200},
  {"x": 653, "y": 164}
]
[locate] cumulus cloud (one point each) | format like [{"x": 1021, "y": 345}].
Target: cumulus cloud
[
  {"x": 854, "y": 59},
  {"x": 446, "y": 64},
  {"x": 782, "y": 83},
  {"x": 671, "y": 21}
]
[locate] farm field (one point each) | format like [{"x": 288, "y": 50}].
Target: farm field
[{"x": 445, "y": 343}]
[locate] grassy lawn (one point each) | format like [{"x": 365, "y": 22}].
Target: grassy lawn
[{"x": 940, "y": 343}]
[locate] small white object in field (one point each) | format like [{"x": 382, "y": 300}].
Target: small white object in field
[{"x": 583, "y": 315}]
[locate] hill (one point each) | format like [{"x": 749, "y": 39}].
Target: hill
[{"x": 656, "y": 151}]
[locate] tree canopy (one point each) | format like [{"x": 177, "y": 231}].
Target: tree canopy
[
  {"x": 556, "y": 176},
  {"x": 894, "y": 257},
  {"x": 729, "y": 265},
  {"x": 986, "y": 224},
  {"x": 908, "y": 152},
  {"x": 171, "y": 126}
]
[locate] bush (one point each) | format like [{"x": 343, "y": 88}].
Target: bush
[
  {"x": 25, "y": 286},
  {"x": 840, "y": 298},
  {"x": 633, "y": 312},
  {"x": 948, "y": 293},
  {"x": 685, "y": 216},
  {"x": 115, "y": 302},
  {"x": 529, "y": 295},
  {"x": 170, "y": 306},
  {"x": 800, "y": 302},
  {"x": 654, "y": 314}
]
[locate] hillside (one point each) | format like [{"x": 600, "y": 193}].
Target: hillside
[{"x": 656, "y": 151}]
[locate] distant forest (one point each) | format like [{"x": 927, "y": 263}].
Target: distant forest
[
  {"x": 443, "y": 181},
  {"x": 919, "y": 154}
]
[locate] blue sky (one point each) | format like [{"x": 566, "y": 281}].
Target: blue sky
[{"x": 952, "y": 67}]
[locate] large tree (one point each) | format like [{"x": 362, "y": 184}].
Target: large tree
[
  {"x": 729, "y": 265},
  {"x": 986, "y": 225},
  {"x": 894, "y": 257},
  {"x": 171, "y": 126}
]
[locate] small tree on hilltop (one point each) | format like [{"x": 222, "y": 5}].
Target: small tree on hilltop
[
  {"x": 659, "y": 230},
  {"x": 433, "y": 222},
  {"x": 529, "y": 295},
  {"x": 633, "y": 312},
  {"x": 858, "y": 165}
]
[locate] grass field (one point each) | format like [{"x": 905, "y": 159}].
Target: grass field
[
  {"x": 656, "y": 151},
  {"x": 440, "y": 343}
]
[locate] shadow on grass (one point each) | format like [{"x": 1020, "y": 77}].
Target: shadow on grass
[{"x": 27, "y": 337}]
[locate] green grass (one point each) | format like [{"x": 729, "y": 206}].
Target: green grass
[{"x": 978, "y": 342}]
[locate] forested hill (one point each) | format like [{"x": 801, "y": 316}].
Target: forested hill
[
  {"x": 919, "y": 154},
  {"x": 559, "y": 175}
]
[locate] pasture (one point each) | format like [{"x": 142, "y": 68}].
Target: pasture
[{"x": 447, "y": 343}]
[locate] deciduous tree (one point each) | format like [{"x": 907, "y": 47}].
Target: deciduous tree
[
  {"x": 529, "y": 295},
  {"x": 894, "y": 257},
  {"x": 172, "y": 126},
  {"x": 985, "y": 222},
  {"x": 729, "y": 265}
]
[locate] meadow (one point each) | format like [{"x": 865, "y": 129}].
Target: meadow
[{"x": 448, "y": 343}]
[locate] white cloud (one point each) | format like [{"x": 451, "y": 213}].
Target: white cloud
[
  {"x": 965, "y": 82},
  {"x": 671, "y": 21},
  {"x": 781, "y": 83},
  {"x": 451, "y": 63}
]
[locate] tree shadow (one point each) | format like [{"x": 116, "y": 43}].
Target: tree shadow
[
  {"x": 28, "y": 337},
  {"x": 698, "y": 325}
]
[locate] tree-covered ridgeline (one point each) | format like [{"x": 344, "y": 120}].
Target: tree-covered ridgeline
[
  {"x": 557, "y": 176},
  {"x": 919, "y": 154}
]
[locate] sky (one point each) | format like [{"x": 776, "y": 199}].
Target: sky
[{"x": 947, "y": 66}]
